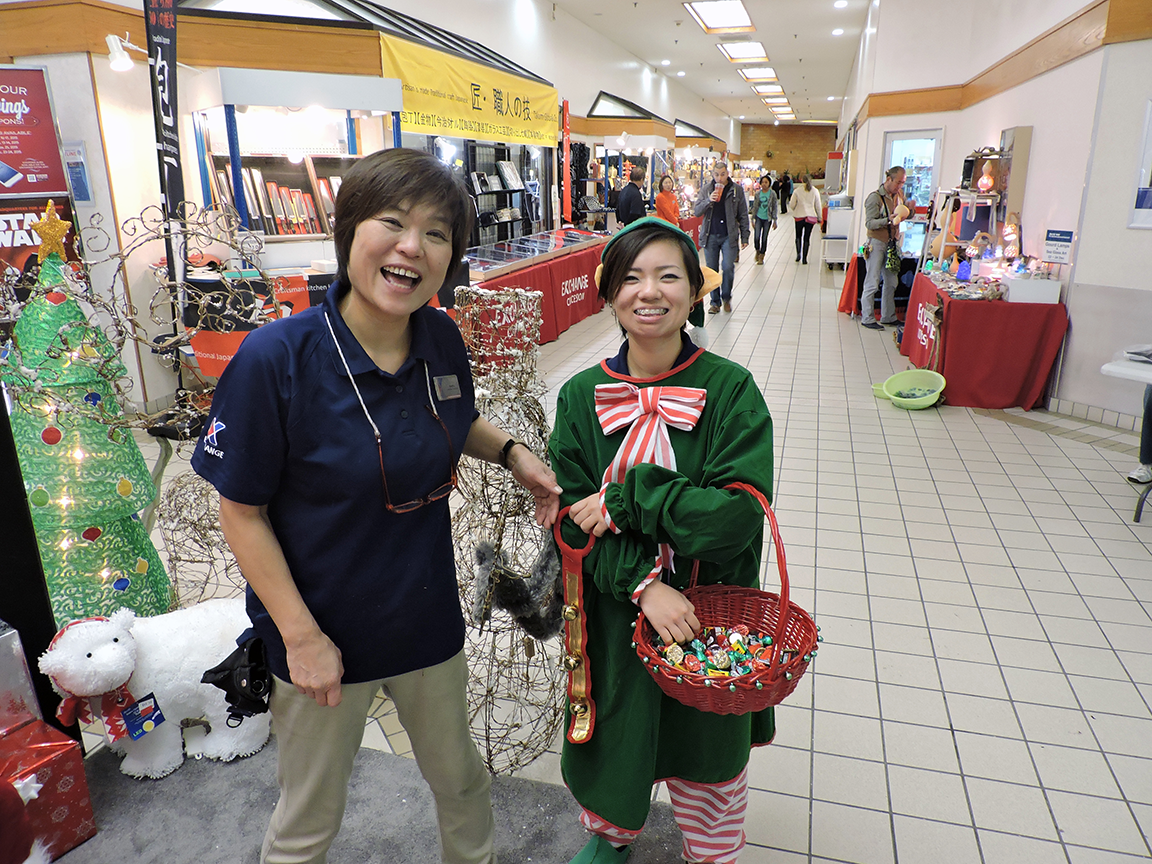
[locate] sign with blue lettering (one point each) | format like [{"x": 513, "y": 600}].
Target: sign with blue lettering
[{"x": 1058, "y": 247}]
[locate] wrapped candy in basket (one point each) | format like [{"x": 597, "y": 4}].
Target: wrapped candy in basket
[{"x": 754, "y": 648}]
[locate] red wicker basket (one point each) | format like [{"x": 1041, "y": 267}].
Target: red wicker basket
[{"x": 794, "y": 640}]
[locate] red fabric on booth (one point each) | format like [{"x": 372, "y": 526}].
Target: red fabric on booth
[
  {"x": 538, "y": 278},
  {"x": 574, "y": 295},
  {"x": 849, "y": 296},
  {"x": 691, "y": 226},
  {"x": 996, "y": 354}
]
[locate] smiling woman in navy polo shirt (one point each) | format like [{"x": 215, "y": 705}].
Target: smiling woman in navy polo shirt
[{"x": 333, "y": 442}]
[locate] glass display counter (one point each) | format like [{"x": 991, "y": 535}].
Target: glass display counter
[{"x": 507, "y": 256}]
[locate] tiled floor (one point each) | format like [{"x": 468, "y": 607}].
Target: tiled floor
[{"x": 983, "y": 692}]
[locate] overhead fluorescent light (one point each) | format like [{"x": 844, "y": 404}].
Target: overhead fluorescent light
[
  {"x": 840, "y": 4},
  {"x": 785, "y": 116},
  {"x": 721, "y": 16},
  {"x": 743, "y": 52},
  {"x": 781, "y": 109},
  {"x": 839, "y": 31},
  {"x": 775, "y": 100},
  {"x": 665, "y": 62},
  {"x": 832, "y": 98},
  {"x": 768, "y": 89},
  {"x": 680, "y": 74},
  {"x": 757, "y": 73},
  {"x": 821, "y": 122}
]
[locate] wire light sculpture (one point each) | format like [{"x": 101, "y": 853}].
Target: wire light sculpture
[
  {"x": 200, "y": 563},
  {"x": 515, "y": 686}
]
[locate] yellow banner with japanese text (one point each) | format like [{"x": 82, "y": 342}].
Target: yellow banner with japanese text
[{"x": 458, "y": 98}]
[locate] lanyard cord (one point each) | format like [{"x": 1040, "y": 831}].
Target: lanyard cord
[{"x": 359, "y": 398}]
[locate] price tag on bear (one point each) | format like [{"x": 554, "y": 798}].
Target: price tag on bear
[{"x": 142, "y": 716}]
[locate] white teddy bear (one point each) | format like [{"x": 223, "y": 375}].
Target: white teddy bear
[{"x": 101, "y": 664}]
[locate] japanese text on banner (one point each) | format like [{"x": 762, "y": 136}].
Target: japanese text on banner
[{"x": 446, "y": 95}]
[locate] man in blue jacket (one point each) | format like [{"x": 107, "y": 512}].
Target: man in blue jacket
[
  {"x": 725, "y": 211},
  {"x": 630, "y": 203}
]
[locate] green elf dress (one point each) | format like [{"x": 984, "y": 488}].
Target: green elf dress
[{"x": 637, "y": 735}]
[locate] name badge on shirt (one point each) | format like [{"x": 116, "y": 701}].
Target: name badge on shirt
[{"x": 447, "y": 387}]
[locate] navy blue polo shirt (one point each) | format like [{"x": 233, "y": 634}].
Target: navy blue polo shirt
[{"x": 286, "y": 431}]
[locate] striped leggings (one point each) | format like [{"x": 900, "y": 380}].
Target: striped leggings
[{"x": 710, "y": 816}]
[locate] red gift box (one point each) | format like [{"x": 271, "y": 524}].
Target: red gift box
[{"x": 62, "y": 815}]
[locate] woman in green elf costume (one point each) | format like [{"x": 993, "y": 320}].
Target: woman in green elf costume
[{"x": 644, "y": 444}]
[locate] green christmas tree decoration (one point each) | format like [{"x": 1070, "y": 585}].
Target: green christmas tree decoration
[{"x": 84, "y": 474}]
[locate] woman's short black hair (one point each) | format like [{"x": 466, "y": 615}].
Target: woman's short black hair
[
  {"x": 389, "y": 179},
  {"x": 664, "y": 177},
  {"x": 623, "y": 249}
]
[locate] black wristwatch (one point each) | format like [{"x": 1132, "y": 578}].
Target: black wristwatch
[{"x": 507, "y": 448}]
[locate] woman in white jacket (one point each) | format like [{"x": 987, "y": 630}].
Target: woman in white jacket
[{"x": 805, "y": 206}]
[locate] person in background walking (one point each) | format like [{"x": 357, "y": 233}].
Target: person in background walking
[
  {"x": 725, "y": 212},
  {"x": 785, "y": 191},
  {"x": 630, "y": 202},
  {"x": 805, "y": 204},
  {"x": 667, "y": 206},
  {"x": 764, "y": 216}
]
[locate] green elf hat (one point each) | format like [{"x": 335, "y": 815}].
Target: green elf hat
[{"x": 712, "y": 278}]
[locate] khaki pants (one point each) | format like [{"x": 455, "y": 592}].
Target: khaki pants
[{"x": 317, "y": 746}]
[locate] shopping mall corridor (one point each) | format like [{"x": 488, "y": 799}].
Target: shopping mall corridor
[{"x": 983, "y": 693}]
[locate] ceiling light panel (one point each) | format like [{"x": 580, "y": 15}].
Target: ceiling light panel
[
  {"x": 775, "y": 100},
  {"x": 768, "y": 89},
  {"x": 743, "y": 52},
  {"x": 757, "y": 73},
  {"x": 781, "y": 109},
  {"x": 721, "y": 16}
]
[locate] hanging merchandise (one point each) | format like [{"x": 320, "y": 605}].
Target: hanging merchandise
[{"x": 84, "y": 474}]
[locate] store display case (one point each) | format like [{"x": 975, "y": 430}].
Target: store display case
[{"x": 497, "y": 259}]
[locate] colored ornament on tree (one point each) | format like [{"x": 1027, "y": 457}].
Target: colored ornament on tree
[{"x": 84, "y": 474}]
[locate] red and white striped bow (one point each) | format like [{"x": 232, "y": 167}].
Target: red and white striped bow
[{"x": 648, "y": 411}]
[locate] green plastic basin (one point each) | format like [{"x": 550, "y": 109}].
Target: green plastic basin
[{"x": 912, "y": 379}]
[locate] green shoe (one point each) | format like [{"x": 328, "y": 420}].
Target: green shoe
[{"x": 600, "y": 851}]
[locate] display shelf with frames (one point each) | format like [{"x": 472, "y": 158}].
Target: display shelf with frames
[
  {"x": 481, "y": 163},
  {"x": 328, "y": 172},
  {"x": 286, "y": 200}
]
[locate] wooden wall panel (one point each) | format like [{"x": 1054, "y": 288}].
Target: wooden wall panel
[
  {"x": 1080, "y": 34},
  {"x": 1128, "y": 21},
  {"x": 34, "y": 28},
  {"x": 266, "y": 45},
  {"x": 915, "y": 101},
  {"x": 613, "y": 126},
  {"x": 64, "y": 27}
]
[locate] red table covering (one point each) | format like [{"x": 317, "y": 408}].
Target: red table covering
[
  {"x": 995, "y": 354},
  {"x": 574, "y": 293},
  {"x": 568, "y": 286},
  {"x": 538, "y": 278},
  {"x": 62, "y": 815},
  {"x": 691, "y": 226}
]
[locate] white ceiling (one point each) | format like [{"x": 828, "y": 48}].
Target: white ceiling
[{"x": 811, "y": 64}]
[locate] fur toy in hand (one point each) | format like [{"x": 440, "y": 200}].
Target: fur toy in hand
[
  {"x": 18, "y": 844},
  {"x": 534, "y": 600},
  {"x": 100, "y": 665}
]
